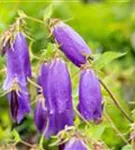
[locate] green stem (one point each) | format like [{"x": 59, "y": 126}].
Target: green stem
[
  {"x": 27, "y": 144},
  {"x": 116, "y": 101},
  {"x": 34, "y": 84},
  {"x": 78, "y": 113},
  {"x": 35, "y": 19},
  {"x": 115, "y": 128},
  {"x": 43, "y": 135}
]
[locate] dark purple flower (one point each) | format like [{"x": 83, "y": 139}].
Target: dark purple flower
[
  {"x": 40, "y": 114},
  {"x": 19, "y": 104},
  {"x": 43, "y": 120},
  {"x": 71, "y": 43},
  {"x": 75, "y": 144},
  {"x": 18, "y": 62},
  {"x": 55, "y": 81},
  {"x": 18, "y": 69},
  {"x": 60, "y": 93},
  {"x": 90, "y": 97}
]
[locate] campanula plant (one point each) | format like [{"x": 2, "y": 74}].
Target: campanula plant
[
  {"x": 90, "y": 97},
  {"x": 70, "y": 42},
  {"x": 55, "y": 81},
  {"x": 18, "y": 70}
]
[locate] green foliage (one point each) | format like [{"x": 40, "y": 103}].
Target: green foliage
[
  {"x": 101, "y": 60},
  {"x": 48, "y": 12},
  {"x": 127, "y": 147},
  {"x": 104, "y": 26}
]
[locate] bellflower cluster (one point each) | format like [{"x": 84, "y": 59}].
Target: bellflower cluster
[
  {"x": 54, "y": 108},
  {"x": 76, "y": 50}
]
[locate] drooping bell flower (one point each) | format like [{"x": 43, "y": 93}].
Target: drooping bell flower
[
  {"x": 60, "y": 94},
  {"x": 90, "y": 98},
  {"x": 55, "y": 81},
  {"x": 18, "y": 69},
  {"x": 43, "y": 120},
  {"x": 18, "y": 62},
  {"x": 75, "y": 144},
  {"x": 19, "y": 104},
  {"x": 71, "y": 43}
]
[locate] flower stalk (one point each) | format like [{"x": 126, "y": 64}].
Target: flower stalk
[{"x": 115, "y": 101}]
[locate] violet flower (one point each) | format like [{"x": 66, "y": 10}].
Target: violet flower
[
  {"x": 60, "y": 94},
  {"x": 19, "y": 104},
  {"x": 55, "y": 81},
  {"x": 18, "y": 69},
  {"x": 75, "y": 144},
  {"x": 90, "y": 98},
  {"x": 18, "y": 62},
  {"x": 43, "y": 120},
  {"x": 71, "y": 43}
]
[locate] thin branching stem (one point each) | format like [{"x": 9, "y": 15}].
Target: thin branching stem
[
  {"x": 43, "y": 135},
  {"x": 27, "y": 144},
  {"x": 78, "y": 113},
  {"x": 116, "y": 102},
  {"x": 35, "y": 19}
]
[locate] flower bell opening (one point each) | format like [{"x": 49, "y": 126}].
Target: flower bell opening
[
  {"x": 75, "y": 144},
  {"x": 14, "y": 105}
]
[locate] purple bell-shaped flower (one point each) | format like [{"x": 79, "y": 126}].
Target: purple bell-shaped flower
[
  {"x": 57, "y": 99},
  {"x": 18, "y": 69},
  {"x": 90, "y": 98},
  {"x": 71, "y": 43},
  {"x": 18, "y": 62}
]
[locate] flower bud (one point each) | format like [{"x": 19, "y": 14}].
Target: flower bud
[
  {"x": 71, "y": 43},
  {"x": 90, "y": 97}
]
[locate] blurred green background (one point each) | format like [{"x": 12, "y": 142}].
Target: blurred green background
[{"x": 105, "y": 26}]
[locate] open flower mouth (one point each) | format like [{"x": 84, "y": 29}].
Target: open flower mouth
[{"x": 14, "y": 105}]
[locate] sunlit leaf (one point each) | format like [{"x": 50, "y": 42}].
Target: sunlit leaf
[
  {"x": 16, "y": 136},
  {"x": 105, "y": 58},
  {"x": 21, "y": 14},
  {"x": 127, "y": 147},
  {"x": 48, "y": 12}
]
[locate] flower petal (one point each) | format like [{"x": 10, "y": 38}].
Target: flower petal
[
  {"x": 90, "y": 98},
  {"x": 71, "y": 43},
  {"x": 19, "y": 104},
  {"x": 75, "y": 144}
]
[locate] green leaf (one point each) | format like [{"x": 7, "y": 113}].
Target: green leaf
[
  {"x": 104, "y": 59},
  {"x": 127, "y": 147},
  {"x": 48, "y": 12},
  {"x": 21, "y": 14},
  {"x": 48, "y": 52},
  {"x": 97, "y": 131},
  {"x": 16, "y": 136}
]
